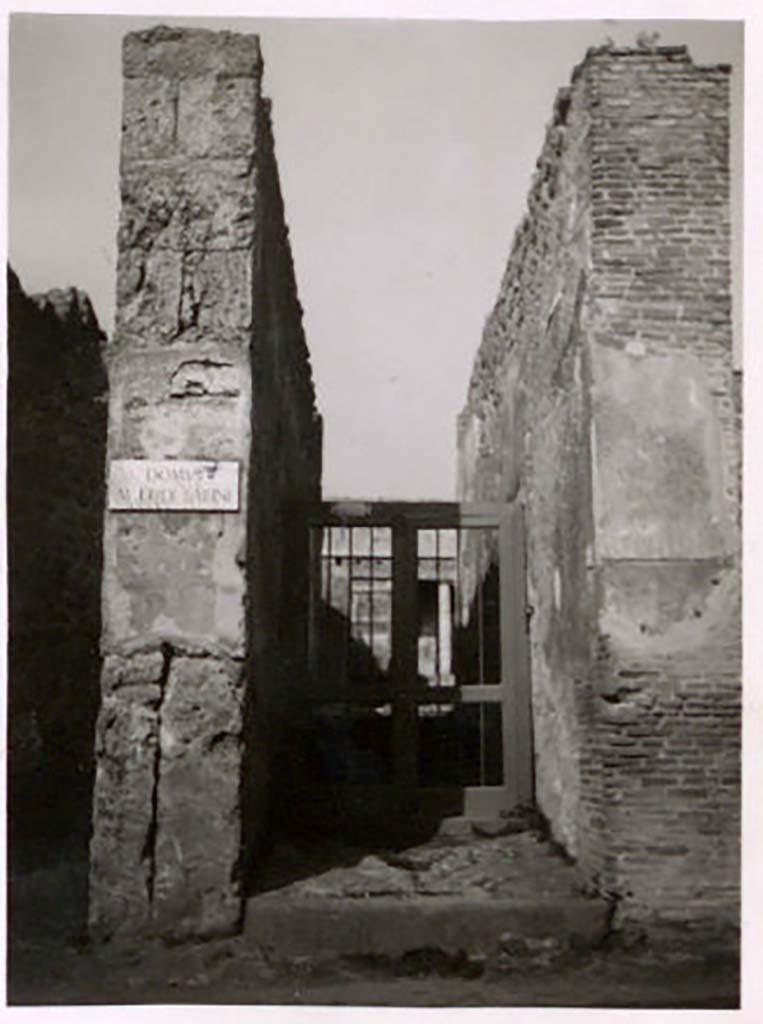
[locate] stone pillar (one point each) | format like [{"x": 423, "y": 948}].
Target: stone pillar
[{"x": 167, "y": 817}]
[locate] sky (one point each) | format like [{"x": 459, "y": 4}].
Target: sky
[{"x": 406, "y": 151}]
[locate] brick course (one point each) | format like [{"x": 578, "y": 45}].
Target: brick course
[{"x": 603, "y": 396}]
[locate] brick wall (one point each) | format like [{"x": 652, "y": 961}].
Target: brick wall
[
  {"x": 666, "y": 484},
  {"x": 603, "y": 394}
]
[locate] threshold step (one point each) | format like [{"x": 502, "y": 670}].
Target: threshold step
[{"x": 390, "y": 926}]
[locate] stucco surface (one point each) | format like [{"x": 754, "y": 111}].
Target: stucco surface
[{"x": 603, "y": 397}]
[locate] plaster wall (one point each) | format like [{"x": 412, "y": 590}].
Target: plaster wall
[
  {"x": 525, "y": 432},
  {"x": 666, "y": 465},
  {"x": 603, "y": 394}
]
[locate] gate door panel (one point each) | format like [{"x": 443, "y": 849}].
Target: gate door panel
[{"x": 418, "y": 659}]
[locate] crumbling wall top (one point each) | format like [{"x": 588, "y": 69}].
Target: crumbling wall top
[
  {"x": 649, "y": 53},
  {"x": 190, "y": 53},
  {"x": 67, "y": 304}
]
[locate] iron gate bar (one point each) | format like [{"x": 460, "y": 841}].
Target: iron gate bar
[
  {"x": 348, "y": 638},
  {"x": 420, "y": 515},
  {"x": 404, "y": 662},
  {"x": 374, "y": 693},
  {"x": 403, "y": 691}
]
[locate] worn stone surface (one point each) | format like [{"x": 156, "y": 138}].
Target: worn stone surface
[
  {"x": 121, "y": 854},
  {"x": 198, "y": 812},
  {"x": 208, "y": 362},
  {"x": 477, "y": 867},
  {"x": 448, "y": 895},
  {"x": 603, "y": 396},
  {"x": 371, "y": 877}
]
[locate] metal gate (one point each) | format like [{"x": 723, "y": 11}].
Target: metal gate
[{"x": 418, "y": 670}]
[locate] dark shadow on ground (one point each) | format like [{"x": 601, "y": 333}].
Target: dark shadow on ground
[{"x": 50, "y": 965}]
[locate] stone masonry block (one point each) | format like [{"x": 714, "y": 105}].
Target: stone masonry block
[
  {"x": 188, "y": 207},
  {"x": 217, "y": 291},
  {"x": 149, "y": 288},
  {"x": 165, "y": 295},
  {"x": 126, "y": 750},
  {"x": 216, "y": 117},
  {"x": 199, "y": 812},
  {"x": 187, "y": 53},
  {"x": 139, "y": 670},
  {"x": 149, "y": 118}
]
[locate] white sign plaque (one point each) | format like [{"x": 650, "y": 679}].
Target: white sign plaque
[{"x": 173, "y": 485}]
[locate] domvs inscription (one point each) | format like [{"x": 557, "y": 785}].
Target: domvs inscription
[{"x": 173, "y": 485}]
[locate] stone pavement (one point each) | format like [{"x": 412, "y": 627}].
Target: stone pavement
[
  {"x": 52, "y": 963},
  {"x": 459, "y": 894}
]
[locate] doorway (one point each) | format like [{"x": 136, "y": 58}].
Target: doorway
[{"x": 417, "y": 702}]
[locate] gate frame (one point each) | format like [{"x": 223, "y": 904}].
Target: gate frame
[{"x": 514, "y": 690}]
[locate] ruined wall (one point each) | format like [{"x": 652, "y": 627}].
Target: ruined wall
[
  {"x": 56, "y": 451},
  {"x": 286, "y": 471},
  {"x": 665, "y": 483},
  {"x": 604, "y": 393},
  {"x": 517, "y": 435},
  {"x": 207, "y": 334}
]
